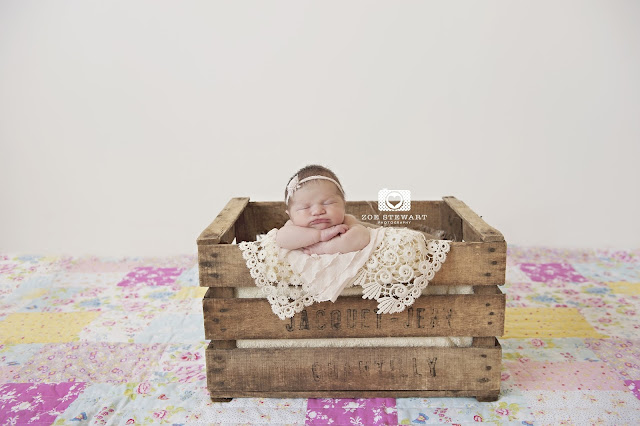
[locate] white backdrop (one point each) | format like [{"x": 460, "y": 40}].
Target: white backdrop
[{"x": 126, "y": 126}]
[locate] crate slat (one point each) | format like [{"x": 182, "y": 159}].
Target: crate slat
[
  {"x": 430, "y": 315},
  {"x": 263, "y": 216},
  {"x": 466, "y": 264},
  {"x": 481, "y": 396},
  {"x": 222, "y": 230},
  {"x": 353, "y": 369},
  {"x": 474, "y": 228}
]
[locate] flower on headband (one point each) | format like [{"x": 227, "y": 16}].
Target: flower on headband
[{"x": 291, "y": 188}]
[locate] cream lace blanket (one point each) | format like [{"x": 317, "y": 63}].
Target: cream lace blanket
[{"x": 393, "y": 269}]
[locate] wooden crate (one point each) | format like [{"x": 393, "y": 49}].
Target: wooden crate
[{"x": 477, "y": 258}]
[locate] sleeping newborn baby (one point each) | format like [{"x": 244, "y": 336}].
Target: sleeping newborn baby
[
  {"x": 317, "y": 221},
  {"x": 321, "y": 250}
]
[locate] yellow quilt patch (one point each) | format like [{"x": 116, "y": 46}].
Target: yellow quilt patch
[
  {"x": 547, "y": 323},
  {"x": 191, "y": 292},
  {"x": 624, "y": 287},
  {"x": 44, "y": 327}
]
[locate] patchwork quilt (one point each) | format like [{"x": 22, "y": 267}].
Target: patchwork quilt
[{"x": 86, "y": 340}]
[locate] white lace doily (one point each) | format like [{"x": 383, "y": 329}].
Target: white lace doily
[{"x": 395, "y": 274}]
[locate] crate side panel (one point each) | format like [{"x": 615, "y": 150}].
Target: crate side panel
[
  {"x": 222, "y": 229},
  {"x": 350, "y": 369},
  {"x": 222, "y": 265},
  {"x": 422, "y": 215},
  {"x": 466, "y": 264},
  {"x": 483, "y": 396},
  {"x": 473, "y": 264},
  {"x": 474, "y": 228},
  {"x": 268, "y": 215},
  {"x": 271, "y": 214},
  {"x": 430, "y": 315}
]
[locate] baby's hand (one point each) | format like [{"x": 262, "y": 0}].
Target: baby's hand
[{"x": 329, "y": 233}]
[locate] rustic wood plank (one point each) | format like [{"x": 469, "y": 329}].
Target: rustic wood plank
[
  {"x": 424, "y": 215},
  {"x": 246, "y": 225},
  {"x": 488, "y": 396},
  {"x": 214, "y": 399},
  {"x": 497, "y": 319},
  {"x": 487, "y": 289},
  {"x": 217, "y": 294},
  {"x": 482, "y": 342},
  {"x": 223, "y": 344},
  {"x": 221, "y": 230},
  {"x": 352, "y": 369},
  {"x": 263, "y": 216},
  {"x": 481, "y": 396},
  {"x": 466, "y": 264},
  {"x": 474, "y": 228},
  {"x": 473, "y": 264},
  {"x": 220, "y": 293},
  {"x": 450, "y": 222},
  {"x": 430, "y": 315}
]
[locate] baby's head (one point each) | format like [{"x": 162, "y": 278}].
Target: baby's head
[{"x": 317, "y": 202}]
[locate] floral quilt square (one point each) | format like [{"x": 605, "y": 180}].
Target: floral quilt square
[
  {"x": 151, "y": 276},
  {"x": 509, "y": 408},
  {"x": 593, "y": 407},
  {"x": 623, "y": 355},
  {"x": 373, "y": 411},
  {"x": 25, "y": 403},
  {"x": 568, "y": 376},
  {"x": 543, "y": 272},
  {"x": 106, "y": 362}
]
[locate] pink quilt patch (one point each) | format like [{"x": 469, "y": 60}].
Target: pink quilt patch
[
  {"x": 373, "y": 411},
  {"x": 564, "y": 376},
  {"x": 634, "y": 387},
  {"x": 25, "y": 403},
  {"x": 623, "y": 355},
  {"x": 151, "y": 276},
  {"x": 543, "y": 272}
]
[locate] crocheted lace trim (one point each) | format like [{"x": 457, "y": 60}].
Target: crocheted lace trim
[{"x": 395, "y": 274}]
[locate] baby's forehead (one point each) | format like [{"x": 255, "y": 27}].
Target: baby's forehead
[{"x": 318, "y": 189}]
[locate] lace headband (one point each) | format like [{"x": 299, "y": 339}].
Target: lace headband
[{"x": 294, "y": 185}]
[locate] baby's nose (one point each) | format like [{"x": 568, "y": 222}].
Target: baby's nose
[{"x": 318, "y": 209}]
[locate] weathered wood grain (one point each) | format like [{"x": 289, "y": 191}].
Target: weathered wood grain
[
  {"x": 266, "y": 215},
  {"x": 481, "y": 396},
  {"x": 474, "y": 228},
  {"x": 222, "y": 230},
  {"x": 472, "y": 263},
  {"x": 422, "y": 216},
  {"x": 219, "y": 293},
  {"x": 352, "y": 369},
  {"x": 430, "y": 315},
  {"x": 450, "y": 222}
]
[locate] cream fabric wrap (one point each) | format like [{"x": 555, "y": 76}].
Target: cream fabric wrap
[
  {"x": 327, "y": 275},
  {"x": 393, "y": 269}
]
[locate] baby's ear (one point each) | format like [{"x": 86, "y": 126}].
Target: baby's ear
[{"x": 287, "y": 212}]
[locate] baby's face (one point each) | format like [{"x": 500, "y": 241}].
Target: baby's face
[{"x": 318, "y": 205}]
